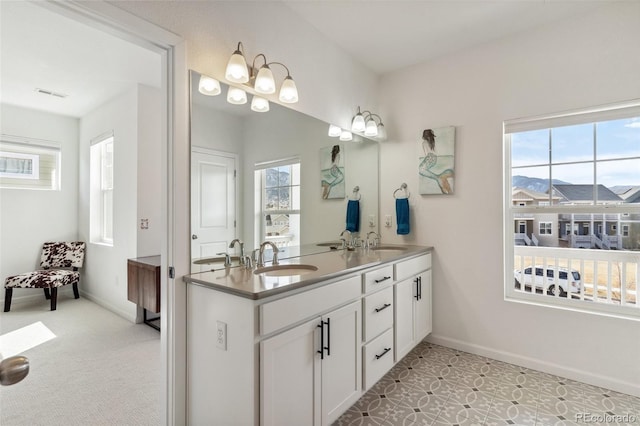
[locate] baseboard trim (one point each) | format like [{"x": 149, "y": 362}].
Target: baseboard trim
[
  {"x": 535, "y": 364},
  {"x": 109, "y": 307}
]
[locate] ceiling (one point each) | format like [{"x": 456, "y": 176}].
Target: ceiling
[
  {"x": 389, "y": 35},
  {"x": 41, "y": 49}
]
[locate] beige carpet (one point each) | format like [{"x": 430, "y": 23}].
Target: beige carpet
[{"x": 100, "y": 369}]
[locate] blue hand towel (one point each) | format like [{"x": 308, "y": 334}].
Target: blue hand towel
[
  {"x": 402, "y": 215},
  {"x": 353, "y": 216}
]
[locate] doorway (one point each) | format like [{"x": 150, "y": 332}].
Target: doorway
[
  {"x": 113, "y": 21},
  {"x": 213, "y": 204}
]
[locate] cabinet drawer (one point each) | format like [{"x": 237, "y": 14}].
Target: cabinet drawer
[
  {"x": 377, "y": 358},
  {"x": 411, "y": 267},
  {"x": 289, "y": 310},
  {"x": 378, "y": 278},
  {"x": 378, "y": 313}
]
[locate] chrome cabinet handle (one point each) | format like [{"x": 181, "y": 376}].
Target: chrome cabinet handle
[
  {"x": 386, "y": 350},
  {"x": 385, "y": 306},
  {"x": 382, "y": 279}
]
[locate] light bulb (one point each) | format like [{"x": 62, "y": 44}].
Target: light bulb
[
  {"x": 371, "y": 129},
  {"x": 346, "y": 135},
  {"x": 259, "y": 104},
  {"x": 209, "y": 86},
  {"x": 288, "y": 91},
  {"x": 334, "y": 131},
  {"x": 237, "y": 70},
  {"x": 358, "y": 125},
  {"x": 265, "y": 83},
  {"x": 236, "y": 96}
]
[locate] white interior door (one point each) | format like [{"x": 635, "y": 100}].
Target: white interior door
[{"x": 213, "y": 206}]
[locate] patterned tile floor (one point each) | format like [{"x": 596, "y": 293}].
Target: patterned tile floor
[{"x": 435, "y": 385}]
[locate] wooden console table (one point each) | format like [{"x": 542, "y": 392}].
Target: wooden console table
[{"x": 143, "y": 285}]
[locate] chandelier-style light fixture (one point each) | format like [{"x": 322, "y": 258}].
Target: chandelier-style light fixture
[
  {"x": 363, "y": 122},
  {"x": 261, "y": 79}
]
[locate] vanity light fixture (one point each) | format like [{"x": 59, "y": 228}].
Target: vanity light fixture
[
  {"x": 259, "y": 104},
  {"x": 364, "y": 122},
  {"x": 209, "y": 86},
  {"x": 334, "y": 131},
  {"x": 261, "y": 80}
]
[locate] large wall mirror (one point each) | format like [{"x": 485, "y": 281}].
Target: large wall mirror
[{"x": 275, "y": 176}]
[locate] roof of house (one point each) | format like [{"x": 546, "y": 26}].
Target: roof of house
[
  {"x": 627, "y": 191},
  {"x": 525, "y": 193},
  {"x": 582, "y": 192}
]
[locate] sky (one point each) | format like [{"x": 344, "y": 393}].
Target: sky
[{"x": 617, "y": 153}]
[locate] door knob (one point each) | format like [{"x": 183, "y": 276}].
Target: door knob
[
  {"x": 13, "y": 369},
  {"x": 194, "y": 237}
]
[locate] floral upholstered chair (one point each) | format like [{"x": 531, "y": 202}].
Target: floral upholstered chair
[{"x": 59, "y": 263}]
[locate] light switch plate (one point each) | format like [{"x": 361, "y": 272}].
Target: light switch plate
[
  {"x": 372, "y": 221},
  {"x": 387, "y": 221}
]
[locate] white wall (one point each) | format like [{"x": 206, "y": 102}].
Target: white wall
[
  {"x": 28, "y": 218},
  {"x": 105, "y": 272},
  {"x": 589, "y": 60},
  {"x": 149, "y": 173}
]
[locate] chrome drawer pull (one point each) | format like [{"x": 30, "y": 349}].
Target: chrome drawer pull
[
  {"x": 382, "y": 279},
  {"x": 385, "y": 306},
  {"x": 383, "y": 353}
]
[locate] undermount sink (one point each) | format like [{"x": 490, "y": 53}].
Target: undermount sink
[
  {"x": 388, "y": 248},
  {"x": 285, "y": 270}
]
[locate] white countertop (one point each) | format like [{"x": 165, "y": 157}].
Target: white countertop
[{"x": 331, "y": 264}]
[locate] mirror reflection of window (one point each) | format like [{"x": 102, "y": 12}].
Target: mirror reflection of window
[{"x": 279, "y": 207}]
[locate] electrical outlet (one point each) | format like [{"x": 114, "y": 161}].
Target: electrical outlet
[
  {"x": 221, "y": 336},
  {"x": 372, "y": 221},
  {"x": 387, "y": 221},
  {"x": 144, "y": 223}
]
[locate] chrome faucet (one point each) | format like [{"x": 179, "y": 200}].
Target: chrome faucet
[
  {"x": 261, "y": 253},
  {"x": 346, "y": 243},
  {"x": 233, "y": 243},
  {"x": 376, "y": 240}
]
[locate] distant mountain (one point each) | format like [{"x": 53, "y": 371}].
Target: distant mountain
[{"x": 535, "y": 184}]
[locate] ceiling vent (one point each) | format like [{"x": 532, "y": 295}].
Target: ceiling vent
[{"x": 51, "y": 93}]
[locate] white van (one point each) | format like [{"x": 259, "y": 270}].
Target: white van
[{"x": 546, "y": 281}]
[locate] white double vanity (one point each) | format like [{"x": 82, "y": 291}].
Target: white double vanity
[{"x": 299, "y": 343}]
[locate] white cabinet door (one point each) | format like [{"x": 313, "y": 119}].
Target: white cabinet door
[
  {"x": 342, "y": 363},
  {"x": 405, "y": 292},
  {"x": 290, "y": 377},
  {"x": 422, "y": 324}
]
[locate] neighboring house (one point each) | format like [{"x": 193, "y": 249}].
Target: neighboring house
[
  {"x": 609, "y": 231},
  {"x": 535, "y": 229},
  {"x": 589, "y": 230}
]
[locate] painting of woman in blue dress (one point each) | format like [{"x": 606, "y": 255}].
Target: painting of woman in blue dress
[
  {"x": 332, "y": 170},
  {"x": 436, "y": 167}
]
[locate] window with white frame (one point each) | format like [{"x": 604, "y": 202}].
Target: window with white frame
[
  {"x": 581, "y": 161},
  {"x": 625, "y": 230},
  {"x": 29, "y": 163},
  {"x": 101, "y": 190},
  {"x": 278, "y": 202},
  {"x": 545, "y": 228}
]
